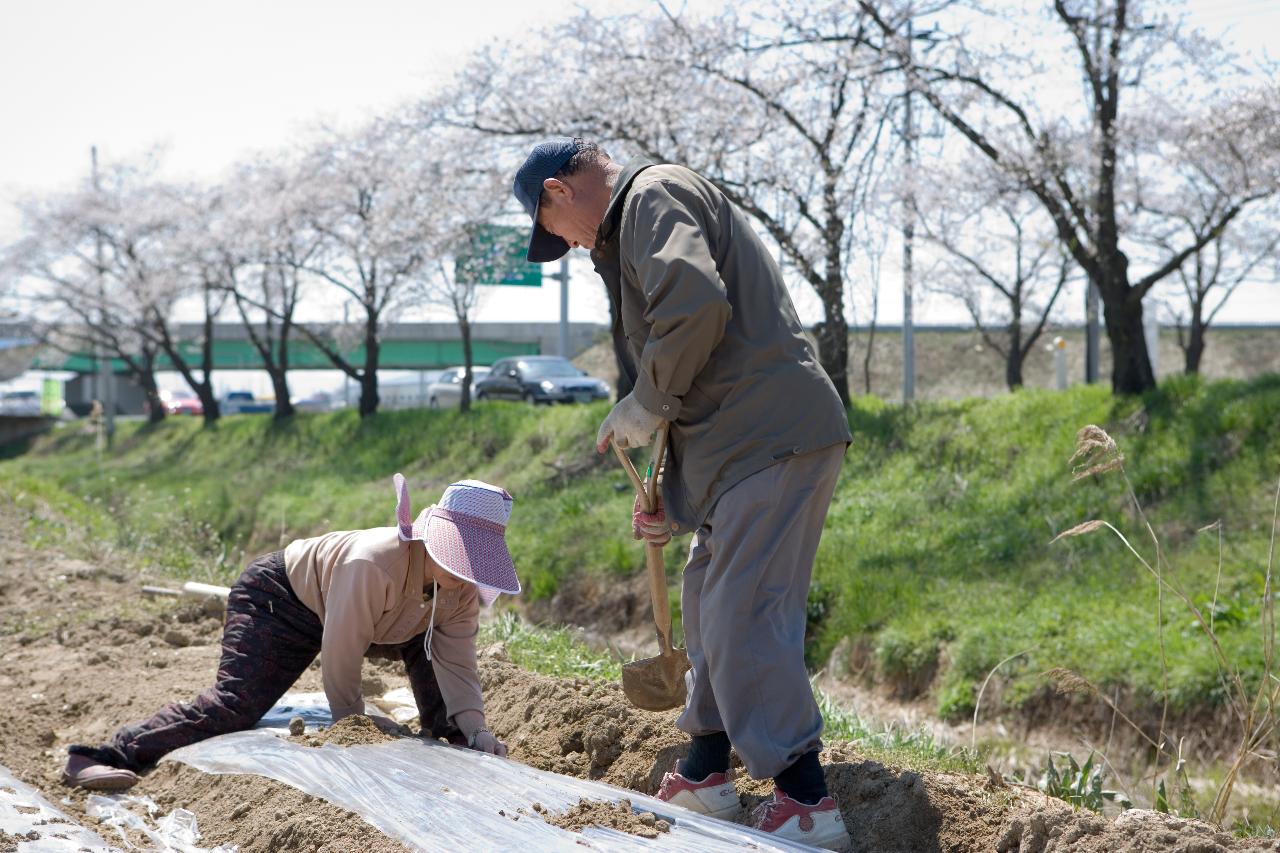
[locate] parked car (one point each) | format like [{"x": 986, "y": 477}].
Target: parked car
[
  {"x": 318, "y": 401},
  {"x": 445, "y": 392},
  {"x": 244, "y": 403},
  {"x": 20, "y": 403},
  {"x": 181, "y": 403},
  {"x": 540, "y": 379}
]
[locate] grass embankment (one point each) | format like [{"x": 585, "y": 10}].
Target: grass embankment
[{"x": 936, "y": 560}]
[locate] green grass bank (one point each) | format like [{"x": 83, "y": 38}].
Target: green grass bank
[{"x": 936, "y": 564}]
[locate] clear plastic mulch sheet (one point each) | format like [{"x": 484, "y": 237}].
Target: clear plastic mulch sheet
[
  {"x": 38, "y": 825},
  {"x": 429, "y": 796},
  {"x": 138, "y": 817}
]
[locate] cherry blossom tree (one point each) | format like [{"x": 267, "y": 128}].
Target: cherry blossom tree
[
  {"x": 255, "y": 249},
  {"x": 89, "y": 255},
  {"x": 364, "y": 194},
  {"x": 1248, "y": 251},
  {"x": 1088, "y": 159},
  {"x": 999, "y": 257},
  {"x": 783, "y": 106}
]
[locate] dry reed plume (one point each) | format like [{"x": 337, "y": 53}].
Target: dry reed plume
[{"x": 1256, "y": 710}]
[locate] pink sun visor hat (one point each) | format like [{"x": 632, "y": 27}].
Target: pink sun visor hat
[{"x": 465, "y": 533}]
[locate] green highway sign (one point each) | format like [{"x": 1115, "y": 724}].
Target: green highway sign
[{"x": 496, "y": 256}]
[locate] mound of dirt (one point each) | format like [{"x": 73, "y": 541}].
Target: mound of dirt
[
  {"x": 579, "y": 728},
  {"x": 1044, "y": 825},
  {"x": 261, "y": 815},
  {"x": 609, "y": 814},
  {"x": 349, "y": 731},
  {"x": 589, "y": 730}
]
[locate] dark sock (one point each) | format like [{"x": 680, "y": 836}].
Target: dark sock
[
  {"x": 803, "y": 781},
  {"x": 708, "y": 754}
]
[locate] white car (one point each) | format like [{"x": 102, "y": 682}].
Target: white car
[
  {"x": 317, "y": 401},
  {"x": 445, "y": 392},
  {"x": 20, "y": 403}
]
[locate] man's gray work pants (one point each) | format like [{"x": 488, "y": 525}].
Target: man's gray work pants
[{"x": 743, "y": 607}]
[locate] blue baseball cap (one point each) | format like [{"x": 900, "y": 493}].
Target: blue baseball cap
[{"x": 543, "y": 162}]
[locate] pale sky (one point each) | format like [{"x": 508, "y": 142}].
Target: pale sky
[{"x": 215, "y": 82}]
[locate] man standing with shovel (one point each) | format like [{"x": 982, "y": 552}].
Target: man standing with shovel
[{"x": 756, "y": 437}]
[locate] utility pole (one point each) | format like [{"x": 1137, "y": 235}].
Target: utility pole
[
  {"x": 908, "y": 237},
  {"x": 106, "y": 391},
  {"x": 563, "y": 278}
]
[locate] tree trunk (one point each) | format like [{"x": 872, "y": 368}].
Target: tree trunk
[
  {"x": 208, "y": 403},
  {"x": 368, "y": 394},
  {"x": 369, "y": 376},
  {"x": 1130, "y": 366},
  {"x": 833, "y": 348},
  {"x": 1015, "y": 354},
  {"x": 1194, "y": 349},
  {"x": 280, "y": 386},
  {"x": 464, "y": 393},
  {"x": 155, "y": 405},
  {"x": 203, "y": 389},
  {"x": 274, "y": 355},
  {"x": 833, "y": 343},
  {"x": 1013, "y": 369},
  {"x": 866, "y": 358},
  {"x": 278, "y": 368}
]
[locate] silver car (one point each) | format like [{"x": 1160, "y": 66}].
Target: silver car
[{"x": 445, "y": 392}]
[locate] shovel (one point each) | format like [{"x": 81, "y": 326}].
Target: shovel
[{"x": 655, "y": 684}]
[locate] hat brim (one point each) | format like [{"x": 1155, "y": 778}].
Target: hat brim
[
  {"x": 474, "y": 554},
  {"x": 544, "y": 246}
]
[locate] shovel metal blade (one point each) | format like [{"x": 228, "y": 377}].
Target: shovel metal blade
[{"x": 656, "y": 684}]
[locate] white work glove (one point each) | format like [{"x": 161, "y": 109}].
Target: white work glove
[
  {"x": 652, "y": 527},
  {"x": 629, "y": 425},
  {"x": 482, "y": 740}
]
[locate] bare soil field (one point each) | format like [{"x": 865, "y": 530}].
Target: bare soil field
[{"x": 81, "y": 652}]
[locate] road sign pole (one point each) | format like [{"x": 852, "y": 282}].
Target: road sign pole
[{"x": 563, "y": 276}]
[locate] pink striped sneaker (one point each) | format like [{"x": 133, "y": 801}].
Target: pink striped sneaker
[
  {"x": 818, "y": 825},
  {"x": 714, "y": 796}
]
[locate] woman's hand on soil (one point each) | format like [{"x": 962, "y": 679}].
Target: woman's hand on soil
[{"x": 484, "y": 741}]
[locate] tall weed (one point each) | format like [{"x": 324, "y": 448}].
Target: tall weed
[{"x": 1252, "y": 702}]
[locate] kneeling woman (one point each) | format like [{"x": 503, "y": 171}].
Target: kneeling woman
[{"x": 412, "y": 591}]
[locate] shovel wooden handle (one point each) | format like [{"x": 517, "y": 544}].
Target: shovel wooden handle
[
  {"x": 654, "y": 564},
  {"x": 631, "y": 474},
  {"x": 648, "y": 492},
  {"x": 658, "y": 593}
]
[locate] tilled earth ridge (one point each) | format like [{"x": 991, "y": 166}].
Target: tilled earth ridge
[
  {"x": 81, "y": 654},
  {"x": 612, "y": 814}
]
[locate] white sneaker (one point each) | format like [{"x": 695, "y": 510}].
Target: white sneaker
[
  {"x": 819, "y": 825},
  {"x": 714, "y": 796}
]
